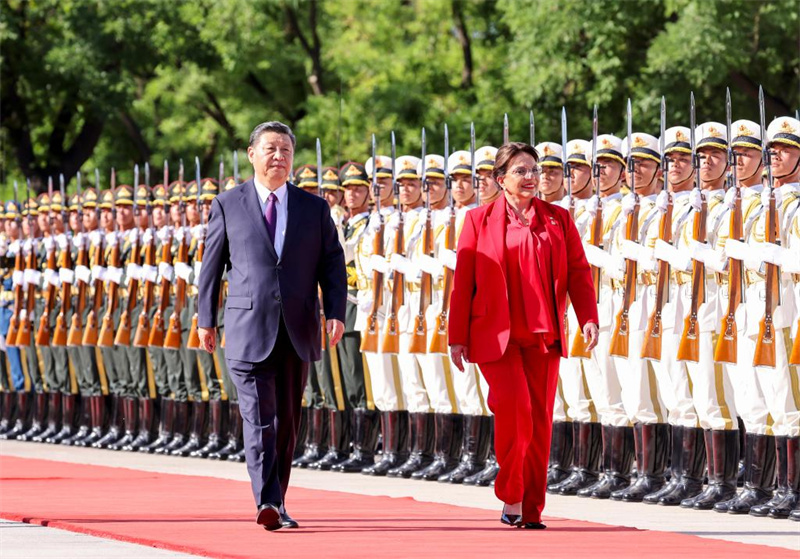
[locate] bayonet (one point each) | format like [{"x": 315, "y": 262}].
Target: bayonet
[
  {"x": 199, "y": 189},
  {"x": 505, "y": 128},
  {"x": 236, "y": 166},
  {"x": 595, "y": 166},
  {"x": 631, "y": 162},
  {"x": 447, "y": 182},
  {"x": 424, "y": 176},
  {"x": 472, "y": 163},
  {"x": 395, "y": 186},
  {"x": 319, "y": 168},
  {"x": 567, "y": 176},
  {"x": 375, "y": 191},
  {"x": 532, "y": 129},
  {"x": 692, "y": 126}
]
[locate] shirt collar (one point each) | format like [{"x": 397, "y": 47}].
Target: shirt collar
[
  {"x": 264, "y": 192},
  {"x": 355, "y": 218}
]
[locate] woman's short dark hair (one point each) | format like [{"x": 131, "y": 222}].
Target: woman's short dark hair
[
  {"x": 271, "y": 126},
  {"x": 506, "y": 153}
]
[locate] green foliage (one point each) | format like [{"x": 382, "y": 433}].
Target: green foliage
[{"x": 96, "y": 83}]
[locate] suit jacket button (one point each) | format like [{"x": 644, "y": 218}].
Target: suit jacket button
[
  {"x": 279, "y": 267},
  {"x": 278, "y": 298}
]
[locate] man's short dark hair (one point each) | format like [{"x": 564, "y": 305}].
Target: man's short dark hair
[{"x": 271, "y": 126}]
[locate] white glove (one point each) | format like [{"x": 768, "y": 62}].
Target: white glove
[
  {"x": 14, "y": 247},
  {"x": 677, "y": 259},
  {"x": 374, "y": 223},
  {"x": 771, "y": 253},
  {"x": 696, "y": 199},
  {"x": 404, "y": 266},
  {"x": 48, "y": 243},
  {"x": 364, "y": 301},
  {"x": 662, "y": 201},
  {"x": 51, "y": 277},
  {"x": 628, "y": 204},
  {"x": 83, "y": 274},
  {"x": 448, "y": 258},
  {"x": 27, "y": 246},
  {"x": 379, "y": 264},
  {"x": 96, "y": 237},
  {"x": 78, "y": 240},
  {"x": 615, "y": 267},
  {"x": 393, "y": 223},
  {"x": 705, "y": 253},
  {"x": 181, "y": 233},
  {"x": 98, "y": 273},
  {"x": 639, "y": 254},
  {"x": 3, "y": 246},
  {"x": 62, "y": 241},
  {"x": 749, "y": 255},
  {"x": 592, "y": 205},
  {"x": 18, "y": 277},
  {"x": 133, "y": 272},
  {"x": 790, "y": 261},
  {"x": 149, "y": 273},
  {"x": 183, "y": 271},
  {"x": 163, "y": 233},
  {"x": 133, "y": 235},
  {"x": 65, "y": 275},
  {"x": 147, "y": 236},
  {"x": 765, "y": 197},
  {"x": 166, "y": 271},
  {"x": 114, "y": 274},
  {"x": 430, "y": 266},
  {"x": 197, "y": 267},
  {"x": 112, "y": 239},
  {"x": 32, "y": 276},
  {"x": 730, "y": 198},
  {"x": 199, "y": 231},
  {"x": 596, "y": 256}
]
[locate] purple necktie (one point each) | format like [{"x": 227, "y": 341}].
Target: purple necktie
[{"x": 271, "y": 216}]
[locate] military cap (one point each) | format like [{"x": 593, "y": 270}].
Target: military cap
[
  {"x": 550, "y": 154},
  {"x": 305, "y": 176},
  {"x": 89, "y": 198},
  {"x": 609, "y": 147},
  {"x": 711, "y": 134},
  {"x": 434, "y": 166},
  {"x": 330, "y": 179},
  {"x": 353, "y": 174},
  {"x": 74, "y": 203},
  {"x": 175, "y": 192},
  {"x": 229, "y": 184},
  {"x": 190, "y": 192},
  {"x": 460, "y": 163},
  {"x": 643, "y": 146},
  {"x": 56, "y": 202},
  {"x": 2, "y": 210},
  {"x": 677, "y": 138},
  {"x": 160, "y": 196},
  {"x": 106, "y": 199},
  {"x": 576, "y": 152},
  {"x": 11, "y": 210},
  {"x": 406, "y": 167},
  {"x": 31, "y": 207},
  {"x": 383, "y": 164},
  {"x": 123, "y": 195},
  {"x": 484, "y": 158},
  {"x": 209, "y": 189},
  {"x": 143, "y": 195},
  {"x": 784, "y": 130},
  {"x": 746, "y": 134},
  {"x": 43, "y": 201}
]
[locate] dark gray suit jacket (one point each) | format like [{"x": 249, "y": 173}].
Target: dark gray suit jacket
[{"x": 262, "y": 287}]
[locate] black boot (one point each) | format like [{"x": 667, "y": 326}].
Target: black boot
[
  {"x": 366, "y": 426},
  {"x": 84, "y": 423},
  {"x": 114, "y": 424},
  {"x": 655, "y": 449},
  {"x": 449, "y": 427},
  {"x": 315, "y": 439},
  {"x": 474, "y": 449},
  {"x": 558, "y": 468},
  {"x": 488, "y": 474},
  {"x": 233, "y": 444},
  {"x": 790, "y": 501},
  {"x": 39, "y": 416},
  {"x": 302, "y": 433},
  {"x": 22, "y": 417},
  {"x": 129, "y": 409},
  {"x": 166, "y": 418},
  {"x": 395, "y": 427},
  {"x": 69, "y": 405},
  {"x": 780, "y": 480},
  {"x": 9, "y": 399},
  {"x": 619, "y": 443},
  {"x": 195, "y": 441},
  {"x": 214, "y": 442},
  {"x": 588, "y": 451},
  {"x": 53, "y": 418},
  {"x": 675, "y": 466},
  {"x": 145, "y": 426},
  {"x": 693, "y": 463},
  {"x": 97, "y": 418},
  {"x": 338, "y": 443},
  {"x": 759, "y": 465},
  {"x": 722, "y": 476},
  {"x": 180, "y": 425},
  {"x": 423, "y": 427}
]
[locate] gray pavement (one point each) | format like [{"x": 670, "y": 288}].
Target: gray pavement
[{"x": 746, "y": 529}]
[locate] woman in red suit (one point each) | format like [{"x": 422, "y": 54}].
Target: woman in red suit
[{"x": 519, "y": 259}]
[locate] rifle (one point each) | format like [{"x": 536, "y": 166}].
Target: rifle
[
  {"x": 43, "y": 333},
  {"x": 173, "y": 337},
  {"x": 620, "y": 339},
  {"x": 391, "y": 338},
  {"x": 106, "y": 337},
  {"x": 689, "y": 347},
  {"x": 26, "y": 316},
  {"x": 142, "y": 333},
  {"x": 157, "y": 333},
  {"x": 75, "y": 336},
  {"x": 532, "y": 128},
  {"x": 369, "y": 342},
  {"x": 765, "y": 342},
  {"x": 324, "y": 330},
  {"x": 439, "y": 339},
  {"x": 193, "y": 342},
  {"x": 505, "y": 129},
  {"x": 123, "y": 337},
  {"x": 60, "y": 332},
  {"x": 472, "y": 162},
  {"x": 19, "y": 272},
  {"x": 578, "y": 348},
  {"x": 419, "y": 337},
  {"x": 651, "y": 349},
  {"x": 726, "y": 348},
  {"x": 571, "y": 208},
  {"x": 98, "y": 262}
]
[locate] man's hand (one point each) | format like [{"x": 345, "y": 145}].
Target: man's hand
[
  {"x": 458, "y": 353},
  {"x": 208, "y": 338},
  {"x": 591, "y": 334},
  {"x": 335, "y": 329}
]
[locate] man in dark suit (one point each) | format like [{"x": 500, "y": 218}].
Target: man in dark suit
[{"x": 279, "y": 247}]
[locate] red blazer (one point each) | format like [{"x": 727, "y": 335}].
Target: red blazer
[{"x": 479, "y": 314}]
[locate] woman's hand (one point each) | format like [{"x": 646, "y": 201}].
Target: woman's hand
[
  {"x": 591, "y": 333},
  {"x": 458, "y": 353}
]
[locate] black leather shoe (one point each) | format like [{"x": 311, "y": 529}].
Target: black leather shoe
[
  {"x": 287, "y": 521},
  {"x": 269, "y": 517},
  {"x": 532, "y": 526},
  {"x": 510, "y": 519}
]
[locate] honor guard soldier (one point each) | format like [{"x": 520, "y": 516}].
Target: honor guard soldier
[
  {"x": 551, "y": 180},
  {"x": 488, "y": 189},
  {"x": 365, "y": 419}
]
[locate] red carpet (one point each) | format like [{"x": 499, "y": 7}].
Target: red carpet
[{"x": 215, "y": 518}]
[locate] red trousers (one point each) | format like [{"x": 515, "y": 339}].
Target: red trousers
[{"x": 522, "y": 389}]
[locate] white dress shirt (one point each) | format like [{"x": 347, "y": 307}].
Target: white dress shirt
[{"x": 282, "y": 211}]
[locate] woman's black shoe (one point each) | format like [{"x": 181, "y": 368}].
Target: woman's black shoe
[{"x": 532, "y": 526}]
